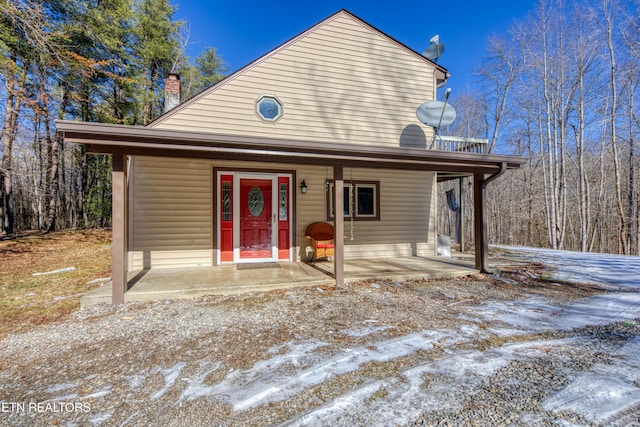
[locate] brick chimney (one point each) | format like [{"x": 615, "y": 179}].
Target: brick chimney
[{"x": 171, "y": 91}]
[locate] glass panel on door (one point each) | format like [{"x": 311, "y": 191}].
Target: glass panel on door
[{"x": 255, "y": 218}]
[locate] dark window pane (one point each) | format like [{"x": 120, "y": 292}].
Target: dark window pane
[
  {"x": 347, "y": 205},
  {"x": 366, "y": 203},
  {"x": 345, "y": 200}
]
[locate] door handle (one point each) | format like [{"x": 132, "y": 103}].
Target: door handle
[{"x": 274, "y": 218}]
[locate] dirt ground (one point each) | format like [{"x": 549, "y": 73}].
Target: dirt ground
[
  {"x": 290, "y": 357},
  {"x": 78, "y": 261},
  {"x": 28, "y": 297}
]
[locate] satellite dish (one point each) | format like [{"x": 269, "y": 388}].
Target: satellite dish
[
  {"x": 434, "y": 51},
  {"x": 436, "y": 114}
]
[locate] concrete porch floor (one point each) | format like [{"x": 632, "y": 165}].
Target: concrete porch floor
[{"x": 156, "y": 284}]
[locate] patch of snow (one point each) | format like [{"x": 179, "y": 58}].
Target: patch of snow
[
  {"x": 196, "y": 386},
  {"x": 287, "y": 374},
  {"x": 601, "y": 310},
  {"x": 617, "y": 369},
  {"x": 360, "y": 401},
  {"x": 363, "y": 332},
  {"x": 60, "y": 387},
  {"x": 470, "y": 330},
  {"x": 505, "y": 332},
  {"x": 99, "y": 280},
  {"x": 66, "y": 397},
  {"x": 410, "y": 397},
  {"x": 586, "y": 267},
  {"x": 538, "y": 314},
  {"x": 131, "y": 417},
  {"x": 630, "y": 352},
  {"x": 136, "y": 380},
  {"x": 625, "y": 363},
  {"x": 596, "y": 397},
  {"x": 60, "y": 298},
  {"x": 170, "y": 374},
  {"x": 99, "y": 418},
  {"x": 61, "y": 270},
  {"x": 240, "y": 384},
  {"x": 295, "y": 350},
  {"x": 100, "y": 393}
]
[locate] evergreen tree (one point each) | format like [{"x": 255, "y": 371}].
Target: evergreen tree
[
  {"x": 90, "y": 60},
  {"x": 209, "y": 68},
  {"x": 156, "y": 50}
]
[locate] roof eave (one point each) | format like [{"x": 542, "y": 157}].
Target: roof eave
[{"x": 106, "y": 139}]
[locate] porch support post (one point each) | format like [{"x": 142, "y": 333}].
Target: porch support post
[
  {"x": 480, "y": 222},
  {"x": 338, "y": 216},
  {"x": 119, "y": 227},
  {"x": 480, "y": 216},
  {"x": 461, "y": 215}
]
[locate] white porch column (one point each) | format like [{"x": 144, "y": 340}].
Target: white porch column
[
  {"x": 119, "y": 227},
  {"x": 338, "y": 216}
]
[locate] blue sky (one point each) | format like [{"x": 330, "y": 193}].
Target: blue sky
[{"x": 246, "y": 30}]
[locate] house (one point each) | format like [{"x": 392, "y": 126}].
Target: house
[{"x": 324, "y": 123}]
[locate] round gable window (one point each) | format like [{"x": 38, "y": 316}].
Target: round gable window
[{"x": 269, "y": 108}]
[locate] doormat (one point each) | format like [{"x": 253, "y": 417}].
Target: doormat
[{"x": 256, "y": 265}]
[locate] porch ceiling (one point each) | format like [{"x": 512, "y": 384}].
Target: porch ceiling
[{"x": 134, "y": 140}]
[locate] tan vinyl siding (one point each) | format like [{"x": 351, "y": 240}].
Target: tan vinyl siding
[
  {"x": 169, "y": 259},
  {"x": 407, "y": 215},
  {"x": 171, "y": 213},
  {"x": 172, "y": 221},
  {"x": 311, "y": 206},
  {"x": 340, "y": 82}
]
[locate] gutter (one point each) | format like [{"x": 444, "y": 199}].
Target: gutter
[{"x": 498, "y": 174}]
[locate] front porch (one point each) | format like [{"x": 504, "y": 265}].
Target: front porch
[
  {"x": 158, "y": 284},
  {"x": 128, "y": 143}
]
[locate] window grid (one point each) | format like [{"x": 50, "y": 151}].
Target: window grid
[
  {"x": 283, "y": 202},
  {"x": 226, "y": 201},
  {"x": 361, "y": 197}
]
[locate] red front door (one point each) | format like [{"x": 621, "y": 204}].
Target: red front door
[{"x": 256, "y": 218}]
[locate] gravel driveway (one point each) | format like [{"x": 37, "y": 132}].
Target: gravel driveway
[{"x": 471, "y": 351}]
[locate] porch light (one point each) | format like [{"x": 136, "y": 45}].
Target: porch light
[{"x": 303, "y": 187}]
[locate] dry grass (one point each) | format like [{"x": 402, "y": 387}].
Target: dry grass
[{"x": 27, "y": 300}]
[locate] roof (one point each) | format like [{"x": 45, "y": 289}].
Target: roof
[
  {"x": 134, "y": 140},
  {"x": 269, "y": 148},
  {"x": 441, "y": 71}
]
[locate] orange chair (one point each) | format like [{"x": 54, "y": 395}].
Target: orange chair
[{"x": 321, "y": 235}]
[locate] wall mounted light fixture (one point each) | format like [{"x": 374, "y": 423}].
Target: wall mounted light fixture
[{"x": 303, "y": 187}]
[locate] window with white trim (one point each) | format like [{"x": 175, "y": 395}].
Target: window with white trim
[
  {"x": 269, "y": 108},
  {"x": 361, "y": 200}
]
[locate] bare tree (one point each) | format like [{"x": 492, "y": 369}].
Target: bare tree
[
  {"x": 583, "y": 53},
  {"x": 497, "y": 75},
  {"x": 608, "y": 15},
  {"x": 571, "y": 106}
]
